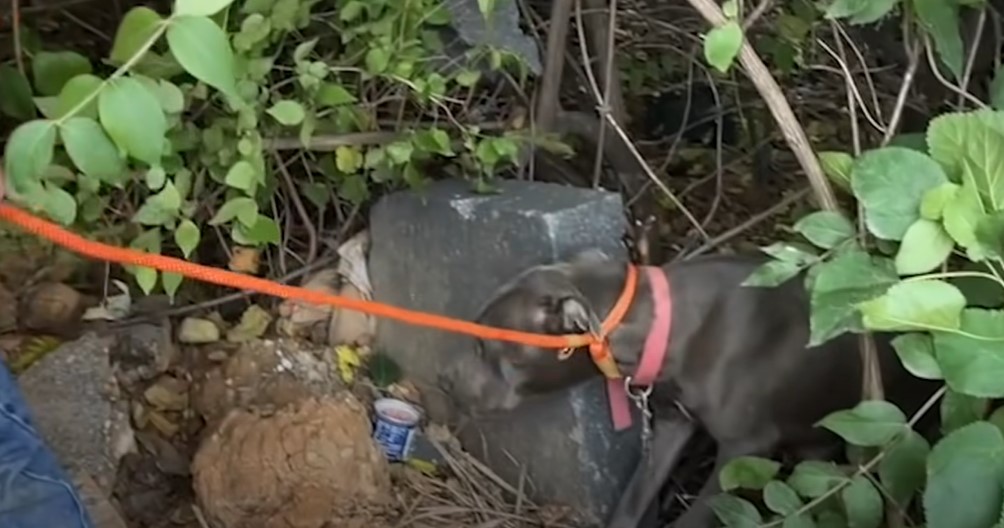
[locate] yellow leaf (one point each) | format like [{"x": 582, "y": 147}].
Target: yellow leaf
[{"x": 348, "y": 362}]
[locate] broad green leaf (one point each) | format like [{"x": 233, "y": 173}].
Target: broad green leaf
[
  {"x": 348, "y": 159},
  {"x": 59, "y": 204},
  {"x": 916, "y": 352},
  {"x": 773, "y": 273},
  {"x": 187, "y": 237},
  {"x": 962, "y": 215},
  {"x": 997, "y": 418},
  {"x": 16, "y": 101},
  {"x": 845, "y": 8},
  {"x": 941, "y": 20},
  {"x": 801, "y": 254},
  {"x": 813, "y": 478},
  {"x": 52, "y": 69},
  {"x": 287, "y": 112},
  {"x": 965, "y": 478},
  {"x": 160, "y": 208},
  {"x": 254, "y": 30},
  {"x": 748, "y": 472},
  {"x": 839, "y": 285},
  {"x": 837, "y": 166},
  {"x": 170, "y": 282},
  {"x": 959, "y": 410},
  {"x": 825, "y": 229},
  {"x": 47, "y": 106},
  {"x": 242, "y": 176},
  {"x": 890, "y": 184},
  {"x": 92, "y": 151},
  {"x": 133, "y": 118},
  {"x": 989, "y": 234},
  {"x": 201, "y": 47},
  {"x": 29, "y": 151},
  {"x": 933, "y": 204},
  {"x": 156, "y": 177},
  {"x": 400, "y": 151},
  {"x": 146, "y": 279},
  {"x": 972, "y": 358},
  {"x": 903, "y": 468},
  {"x": 925, "y": 246},
  {"x": 200, "y": 7},
  {"x": 955, "y": 137},
  {"x": 377, "y": 59},
  {"x": 780, "y": 498},
  {"x": 353, "y": 188},
  {"x": 467, "y": 78},
  {"x": 241, "y": 207},
  {"x": 915, "y": 305},
  {"x": 304, "y": 49},
  {"x": 264, "y": 230},
  {"x": 804, "y": 520},
  {"x": 862, "y": 503},
  {"x": 332, "y": 94},
  {"x": 138, "y": 26},
  {"x": 735, "y": 512},
  {"x": 871, "y": 423},
  {"x": 75, "y": 92},
  {"x": 722, "y": 44}
]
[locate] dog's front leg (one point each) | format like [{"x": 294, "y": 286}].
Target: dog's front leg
[
  {"x": 669, "y": 436},
  {"x": 700, "y": 514}
]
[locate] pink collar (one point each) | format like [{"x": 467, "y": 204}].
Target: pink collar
[{"x": 653, "y": 356}]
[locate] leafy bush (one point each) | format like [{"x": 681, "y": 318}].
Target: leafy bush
[{"x": 190, "y": 122}]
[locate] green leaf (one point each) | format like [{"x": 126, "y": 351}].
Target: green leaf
[
  {"x": 171, "y": 282},
  {"x": 845, "y": 8},
  {"x": 722, "y": 44},
  {"x": 201, "y": 47},
  {"x": 160, "y": 208},
  {"x": 52, "y": 69},
  {"x": 243, "y": 207},
  {"x": 925, "y": 246},
  {"x": 941, "y": 20},
  {"x": 289, "y": 113},
  {"x": 837, "y": 166},
  {"x": 133, "y": 118},
  {"x": 242, "y": 175},
  {"x": 28, "y": 153},
  {"x": 890, "y": 183},
  {"x": 903, "y": 468},
  {"x": 871, "y": 423},
  {"x": 800, "y": 254},
  {"x": 16, "y": 101},
  {"x": 146, "y": 279},
  {"x": 916, "y": 352},
  {"x": 748, "y": 472},
  {"x": 962, "y": 215},
  {"x": 303, "y": 50},
  {"x": 138, "y": 26},
  {"x": 156, "y": 177},
  {"x": 331, "y": 94},
  {"x": 348, "y": 159},
  {"x": 959, "y": 410},
  {"x": 780, "y": 498},
  {"x": 863, "y": 503},
  {"x": 200, "y": 7},
  {"x": 735, "y": 512},
  {"x": 965, "y": 478},
  {"x": 92, "y": 151},
  {"x": 915, "y": 305},
  {"x": 59, "y": 204},
  {"x": 989, "y": 234},
  {"x": 814, "y": 479},
  {"x": 954, "y": 137},
  {"x": 467, "y": 78},
  {"x": 971, "y": 358},
  {"x": 773, "y": 273},
  {"x": 187, "y": 237},
  {"x": 377, "y": 60},
  {"x": 75, "y": 92},
  {"x": 933, "y": 204},
  {"x": 825, "y": 229},
  {"x": 264, "y": 230},
  {"x": 839, "y": 285}
]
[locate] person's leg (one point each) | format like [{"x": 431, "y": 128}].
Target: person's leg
[{"x": 35, "y": 491}]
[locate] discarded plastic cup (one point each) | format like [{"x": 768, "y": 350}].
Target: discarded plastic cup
[{"x": 395, "y": 427}]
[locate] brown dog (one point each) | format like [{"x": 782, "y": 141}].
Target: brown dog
[{"x": 737, "y": 362}]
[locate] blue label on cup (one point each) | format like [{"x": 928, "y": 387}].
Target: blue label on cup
[{"x": 394, "y": 438}]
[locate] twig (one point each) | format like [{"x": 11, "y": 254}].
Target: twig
[
  {"x": 904, "y": 91},
  {"x": 294, "y": 195},
  {"x": 607, "y": 56},
  {"x": 945, "y": 82},
  {"x": 758, "y": 11},
  {"x": 968, "y": 72},
  {"x": 15, "y": 24},
  {"x": 550, "y": 83},
  {"x": 780, "y": 109},
  {"x": 851, "y": 87}
]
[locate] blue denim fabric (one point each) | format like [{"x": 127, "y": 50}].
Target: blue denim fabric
[{"x": 35, "y": 491}]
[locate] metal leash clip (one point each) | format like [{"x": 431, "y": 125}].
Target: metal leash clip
[{"x": 640, "y": 398}]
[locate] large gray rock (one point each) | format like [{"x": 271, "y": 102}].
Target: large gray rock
[{"x": 445, "y": 250}]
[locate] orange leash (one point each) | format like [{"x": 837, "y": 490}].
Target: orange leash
[{"x": 105, "y": 252}]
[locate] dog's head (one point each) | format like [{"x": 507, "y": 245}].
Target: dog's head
[{"x": 499, "y": 375}]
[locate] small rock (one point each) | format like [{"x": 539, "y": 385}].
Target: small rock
[
  {"x": 52, "y": 307},
  {"x": 305, "y": 466},
  {"x": 254, "y": 322},
  {"x": 143, "y": 352},
  {"x": 196, "y": 331},
  {"x": 218, "y": 356},
  {"x": 162, "y": 424},
  {"x": 167, "y": 394}
]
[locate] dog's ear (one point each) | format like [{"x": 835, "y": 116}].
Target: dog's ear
[{"x": 567, "y": 314}]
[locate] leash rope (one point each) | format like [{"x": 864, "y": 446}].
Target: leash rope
[{"x": 127, "y": 256}]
